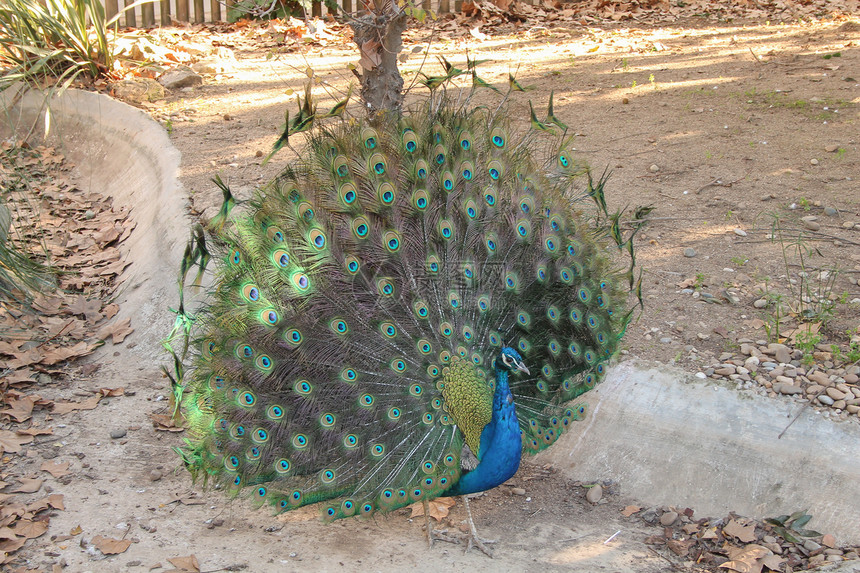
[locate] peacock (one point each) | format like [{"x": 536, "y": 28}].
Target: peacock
[{"x": 400, "y": 314}]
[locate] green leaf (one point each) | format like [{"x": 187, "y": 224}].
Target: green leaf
[
  {"x": 800, "y": 522},
  {"x": 782, "y": 532},
  {"x": 808, "y": 533},
  {"x": 796, "y": 515}
]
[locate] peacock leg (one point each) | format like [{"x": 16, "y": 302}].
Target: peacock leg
[
  {"x": 429, "y": 527},
  {"x": 435, "y": 534},
  {"x": 474, "y": 539}
]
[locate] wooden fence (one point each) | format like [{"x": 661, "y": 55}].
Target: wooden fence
[{"x": 165, "y": 12}]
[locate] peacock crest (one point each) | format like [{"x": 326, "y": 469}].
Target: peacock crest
[{"x": 347, "y": 352}]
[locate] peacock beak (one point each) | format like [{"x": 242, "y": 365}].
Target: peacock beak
[{"x": 522, "y": 368}]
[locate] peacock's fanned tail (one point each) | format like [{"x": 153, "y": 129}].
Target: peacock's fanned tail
[{"x": 363, "y": 276}]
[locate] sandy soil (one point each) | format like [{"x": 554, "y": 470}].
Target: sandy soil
[
  {"x": 717, "y": 128},
  {"x": 731, "y": 116}
]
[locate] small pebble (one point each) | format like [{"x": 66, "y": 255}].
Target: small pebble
[
  {"x": 830, "y": 211},
  {"x": 690, "y": 252},
  {"x": 119, "y": 433},
  {"x": 831, "y": 148},
  {"x": 740, "y": 232},
  {"x": 594, "y": 493},
  {"x": 668, "y": 518},
  {"x": 787, "y": 389},
  {"x": 760, "y": 303},
  {"x": 813, "y": 162},
  {"x": 155, "y": 475},
  {"x": 89, "y": 214},
  {"x": 649, "y": 516},
  {"x": 654, "y": 168},
  {"x": 518, "y": 491}
]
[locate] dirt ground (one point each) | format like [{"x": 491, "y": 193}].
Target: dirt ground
[{"x": 720, "y": 127}]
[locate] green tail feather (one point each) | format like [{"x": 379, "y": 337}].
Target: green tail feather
[{"x": 360, "y": 276}]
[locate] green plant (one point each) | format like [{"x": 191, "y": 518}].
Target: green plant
[
  {"x": 790, "y": 527},
  {"x": 700, "y": 281},
  {"x": 55, "y": 40},
  {"x": 852, "y": 355},
  {"x": 268, "y": 9},
  {"x": 806, "y": 341},
  {"x": 810, "y": 295},
  {"x": 773, "y": 320},
  {"x": 23, "y": 269},
  {"x": 739, "y": 261},
  {"x": 634, "y": 84}
]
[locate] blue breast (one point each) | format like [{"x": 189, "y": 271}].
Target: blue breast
[{"x": 501, "y": 445}]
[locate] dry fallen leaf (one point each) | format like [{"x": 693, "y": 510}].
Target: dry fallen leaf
[
  {"x": 12, "y": 442},
  {"x": 54, "y": 500},
  {"x": 773, "y": 562},
  {"x": 743, "y": 533},
  {"x": 165, "y": 423},
  {"x": 20, "y": 409},
  {"x": 630, "y": 510},
  {"x": 21, "y": 376},
  {"x": 87, "y": 308},
  {"x": 807, "y": 329},
  {"x": 30, "y": 529},
  {"x": 28, "y": 485},
  {"x": 8, "y": 546},
  {"x": 111, "y": 546},
  {"x": 56, "y": 469},
  {"x": 117, "y": 331},
  {"x": 66, "y": 407},
  {"x": 680, "y": 548},
  {"x": 188, "y": 563},
  {"x": 746, "y": 559},
  {"x": 36, "y": 431},
  {"x": 112, "y": 392},
  {"x": 62, "y": 353},
  {"x": 438, "y": 508}
]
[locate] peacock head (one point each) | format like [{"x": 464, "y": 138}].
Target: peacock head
[{"x": 510, "y": 360}]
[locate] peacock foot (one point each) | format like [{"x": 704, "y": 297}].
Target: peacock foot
[
  {"x": 435, "y": 534},
  {"x": 476, "y": 541},
  {"x": 441, "y": 535}
]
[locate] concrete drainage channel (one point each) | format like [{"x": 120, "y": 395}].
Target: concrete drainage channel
[{"x": 667, "y": 438}]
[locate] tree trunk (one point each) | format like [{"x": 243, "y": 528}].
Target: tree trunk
[{"x": 378, "y": 34}]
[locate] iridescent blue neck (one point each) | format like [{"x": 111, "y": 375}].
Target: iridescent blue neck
[{"x": 501, "y": 444}]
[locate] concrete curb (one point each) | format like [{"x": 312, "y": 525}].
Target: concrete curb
[
  {"x": 672, "y": 439},
  {"x": 121, "y": 152}
]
